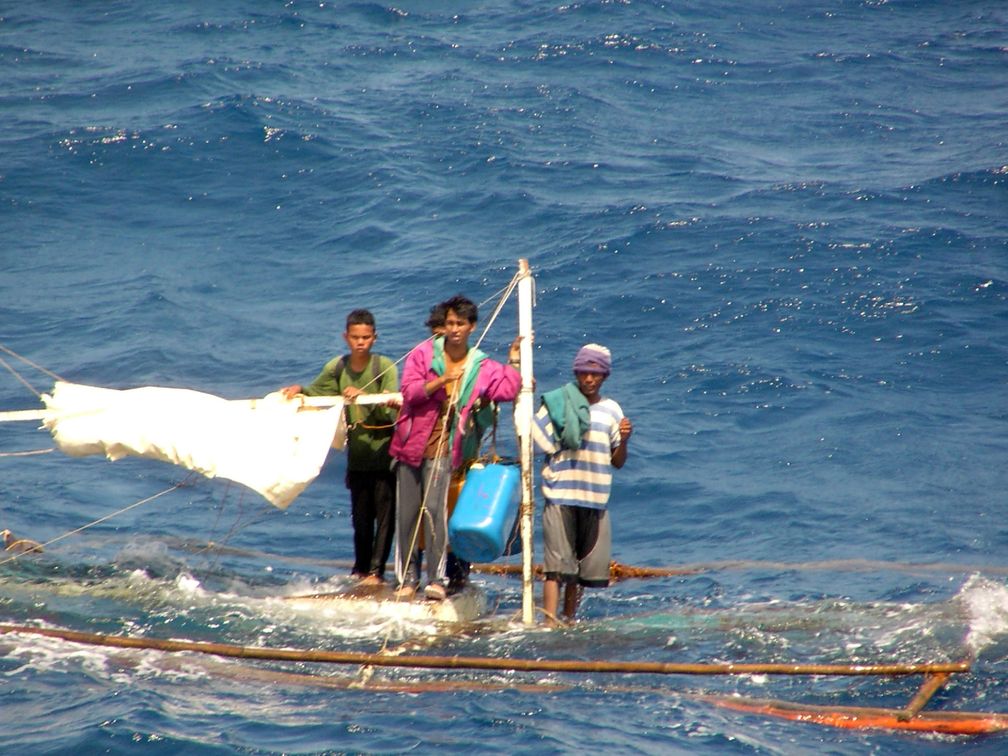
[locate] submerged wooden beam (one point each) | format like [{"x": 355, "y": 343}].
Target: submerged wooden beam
[{"x": 482, "y": 662}]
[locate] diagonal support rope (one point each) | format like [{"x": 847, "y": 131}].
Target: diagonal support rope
[{"x": 100, "y": 520}]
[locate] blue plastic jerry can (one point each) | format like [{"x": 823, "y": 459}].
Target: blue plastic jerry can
[{"x": 486, "y": 511}]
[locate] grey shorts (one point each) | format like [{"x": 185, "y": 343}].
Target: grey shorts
[{"x": 577, "y": 545}]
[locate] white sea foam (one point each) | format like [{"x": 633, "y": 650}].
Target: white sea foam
[{"x": 986, "y": 603}]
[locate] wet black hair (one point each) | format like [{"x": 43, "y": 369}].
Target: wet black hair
[
  {"x": 463, "y": 307},
  {"x": 437, "y": 315},
  {"x": 360, "y": 317}
]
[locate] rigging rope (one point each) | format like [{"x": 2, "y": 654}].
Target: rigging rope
[
  {"x": 425, "y": 513},
  {"x": 22, "y": 379},
  {"x": 504, "y": 293},
  {"x": 31, "y": 453},
  {"x": 103, "y": 519},
  {"x": 619, "y": 571},
  {"x": 12, "y": 353}
]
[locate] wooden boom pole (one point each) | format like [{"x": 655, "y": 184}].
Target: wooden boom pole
[{"x": 318, "y": 402}]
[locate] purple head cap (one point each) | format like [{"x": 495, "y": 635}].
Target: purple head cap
[{"x": 593, "y": 358}]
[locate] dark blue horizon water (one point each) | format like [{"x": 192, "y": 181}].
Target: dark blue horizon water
[{"x": 788, "y": 221}]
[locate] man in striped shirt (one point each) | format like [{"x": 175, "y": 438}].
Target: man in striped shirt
[{"x": 584, "y": 436}]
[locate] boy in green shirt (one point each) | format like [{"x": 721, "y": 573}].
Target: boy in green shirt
[{"x": 369, "y": 432}]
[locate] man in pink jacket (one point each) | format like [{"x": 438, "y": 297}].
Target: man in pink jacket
[{"x": 443, "y": 379}]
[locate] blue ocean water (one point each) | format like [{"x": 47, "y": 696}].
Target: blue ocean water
[{"x": 788, "y": 221}]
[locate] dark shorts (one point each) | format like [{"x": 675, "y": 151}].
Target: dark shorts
[{"x": 577, "y": 545}]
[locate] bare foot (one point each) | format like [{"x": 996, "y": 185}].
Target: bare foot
[{"x": 404, "y": 593}]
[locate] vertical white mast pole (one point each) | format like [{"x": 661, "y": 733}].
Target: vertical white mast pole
[{"x": 524, "y": 411}]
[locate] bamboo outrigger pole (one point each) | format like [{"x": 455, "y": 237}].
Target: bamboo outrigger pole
[
  {"x": 523, "y": 423},
  {"x": 484, "y": 662},
  {"x": 932, "y": 682},
  {"x": 851, "y": 717}
]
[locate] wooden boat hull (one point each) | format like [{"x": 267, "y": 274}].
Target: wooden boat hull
[
  {"x": 378, "y": 602},
  {"x": 868, "y": 718}
]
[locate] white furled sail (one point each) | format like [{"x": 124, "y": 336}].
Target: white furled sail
[{"x": 273, "y": 445}]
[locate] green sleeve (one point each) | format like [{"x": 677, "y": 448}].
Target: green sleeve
[
  {"x": 325, "y": 384},
  {"x": 390, "y": 376},
  {"x": 388, "y": 384}
]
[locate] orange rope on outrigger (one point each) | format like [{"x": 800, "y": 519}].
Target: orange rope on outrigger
[{"x": 617, "y": 571}]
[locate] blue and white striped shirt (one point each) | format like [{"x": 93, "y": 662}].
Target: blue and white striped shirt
[{"x": 583, "y": 476}]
